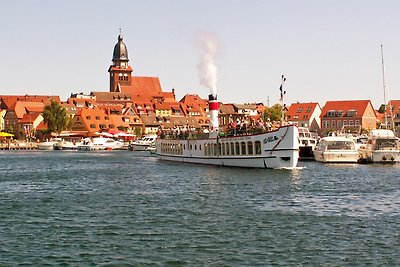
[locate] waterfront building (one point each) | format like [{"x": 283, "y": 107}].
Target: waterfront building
[
  {"x": 348, "y": 114},
  {"x": 305, "y": 115}
]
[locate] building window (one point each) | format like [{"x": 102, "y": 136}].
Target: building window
[
  {"x": 308, "y": 110},
  {"x": 357, "y": 122},
  {"x": 93, "y": 126},
  {"x": 88, "y": 117},
  {"x": 299, "y": 110},
  {"x": 97, "y": 117},
  {"x": 325, "y": 124},
  {"x": 350, "y": 122}
]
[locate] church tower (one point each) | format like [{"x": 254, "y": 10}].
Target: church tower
[{"x": 120, "y": 71}]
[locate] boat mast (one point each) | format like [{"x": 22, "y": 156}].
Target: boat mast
[
  {"x": 281, "y": 99},
  {"x": 384, "y": 92}
]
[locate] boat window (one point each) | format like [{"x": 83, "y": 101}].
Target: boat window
[
  {"x": 195, "y": 147},
  {"x": 190, "y": 147},
  {"x": 223, "y": 149},
  {"x": 258, "y": 147},
  {"x": 232, "y": 148},
  {"x": 243, "y": 145},
  {"x": 215, "y": 149},
  {"x": 199, "y": 147},
  {"x": 227, "y": 148},
  {"x": 250, "y": 147},
  {"x": 219, "y": 149},
  {"x": 237, "y": 148}
]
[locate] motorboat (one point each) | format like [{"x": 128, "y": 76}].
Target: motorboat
[
  {"x": 336, "y": 149},
  {"x": 100, "y": 143},
  {"x": 143, "y": 144},
  {"x": 48, "y": 145},
  {"x": 307, "y": 143},
  {"x": 66, "y": 145},
  {"x": 382, "y": 147}
]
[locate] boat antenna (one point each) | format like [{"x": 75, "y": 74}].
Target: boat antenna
[
  {"x": 283, "y": 80},
  {"x": 384, "y": 93}
]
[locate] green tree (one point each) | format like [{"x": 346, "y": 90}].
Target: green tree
[
  {"x": 55, "y": 117},
  {"x": 382, "y": 109},
  {"x": 273, "y": 113}
]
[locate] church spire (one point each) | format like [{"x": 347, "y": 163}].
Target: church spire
[
  {"x": 120, "y": 54},
  {"x": 120, "y": 71}
]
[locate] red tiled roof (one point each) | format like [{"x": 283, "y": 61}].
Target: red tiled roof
[
  {"x": 345, "y": 106},
  {"x": 29, "y": 118},
  {"x": 301, "y": 109}
]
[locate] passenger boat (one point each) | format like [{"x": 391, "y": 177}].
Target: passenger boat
[
  {"x": 100, "y": 143},
  {"x": 143, "y": 144},
  {"x": 307, "y": 144},
  {"x": 336, "y": 149},
  {"x": 382, "y": 147},
  {"x": 274, "y": 149}
]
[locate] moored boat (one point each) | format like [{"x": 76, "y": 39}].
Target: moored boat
[
  {"x": 336, "y": 149},
  {"x": 382, "y": 147},
  {"x": 143, "y": 144},
  {"x": 100, "y": 143},
  {"x": 48, "y": 145},
  {"x": 307, "y": 143}
]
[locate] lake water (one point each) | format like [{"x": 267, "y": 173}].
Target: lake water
[{"x": 119, "y": 208}]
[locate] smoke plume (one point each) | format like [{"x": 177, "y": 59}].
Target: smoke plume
[{"x": 208, "y": 46}]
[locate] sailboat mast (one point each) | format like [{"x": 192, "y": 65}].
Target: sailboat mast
[
  {"x": 384, "y": 85},
  {"x": 384, "y": 95}
]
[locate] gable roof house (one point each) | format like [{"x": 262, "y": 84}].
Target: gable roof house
[
  {"x": 305, "y": 115},
  {"x": 92, "y": 120},
  {"x": 355, "y": 114},
  {"x": 14, "y": 117},
  {"x": 393, "y": 116}
]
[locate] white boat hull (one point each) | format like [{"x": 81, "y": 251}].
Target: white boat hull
[
  {"x": 382, "y": 147},
  {"x": 276, "y": 149},
  {"x": 381, "y": 156},
  {"x": 336, "y": 156}
]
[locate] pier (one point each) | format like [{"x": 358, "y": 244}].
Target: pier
[{"x": 19, "y": 146}]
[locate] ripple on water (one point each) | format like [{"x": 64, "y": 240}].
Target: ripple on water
[{"x": 123, "y": 208}]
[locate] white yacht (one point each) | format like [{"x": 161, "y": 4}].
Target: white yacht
[
  {"x": 336, "y": 149},
  {"x": 382, "y": 147},
  {"x": 144, "y": 143},
  {"x": 100, "y": 143},
  {"x": 307, "y": 143},
  {"x": 48, "y": 145},
  {"x": 66, "y": 145}
]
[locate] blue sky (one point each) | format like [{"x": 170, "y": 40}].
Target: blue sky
[{"x": 328, "y": 50}]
